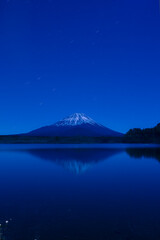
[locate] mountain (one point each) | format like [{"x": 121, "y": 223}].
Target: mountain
[{"x": 77, "y": 124}]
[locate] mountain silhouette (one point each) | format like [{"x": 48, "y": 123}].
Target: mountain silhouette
[{"x": 77, "y": 124}]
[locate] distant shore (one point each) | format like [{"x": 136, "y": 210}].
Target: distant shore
[{"x": 20, "y": 139}]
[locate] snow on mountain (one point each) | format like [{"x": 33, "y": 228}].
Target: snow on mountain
[
  {"x": 75, "y": 119},
  {"x": 77, "y": 124}
]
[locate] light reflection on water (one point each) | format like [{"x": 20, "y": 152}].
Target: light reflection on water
[{"x": 99, "y": 193}]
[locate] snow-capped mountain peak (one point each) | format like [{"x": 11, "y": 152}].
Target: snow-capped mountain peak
[
  {"x": 75, "y": 119},
  {"x": 77, "y": 124}
]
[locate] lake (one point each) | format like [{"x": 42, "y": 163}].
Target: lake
[{"x": 76, "y": 192}]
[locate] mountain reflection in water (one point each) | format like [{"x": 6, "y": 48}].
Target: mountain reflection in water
[
  {"x": 79, "y": 160},
  {"x": 75, "y": 160},
  {"x": 117, "y": 199}
]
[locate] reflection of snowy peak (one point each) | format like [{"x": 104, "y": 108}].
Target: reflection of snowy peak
[
  {"x": 75, "y": 119},
  {"x": 75, "y": 166},
  {"x": 77, "y": 124},
  {"x": 74, "y": 160}
]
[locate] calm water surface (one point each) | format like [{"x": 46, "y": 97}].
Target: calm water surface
[{"x": 106, "y": 192}]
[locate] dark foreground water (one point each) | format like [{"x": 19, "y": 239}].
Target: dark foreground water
[{"x": 53, "y": 194}]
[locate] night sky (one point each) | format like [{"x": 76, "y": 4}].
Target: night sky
[{"x": 99, "y": 57}]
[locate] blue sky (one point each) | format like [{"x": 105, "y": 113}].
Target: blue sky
[{"x": 98, "y": 57}]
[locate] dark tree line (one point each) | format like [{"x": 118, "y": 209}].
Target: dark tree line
[{"x": 144, "y": 135}]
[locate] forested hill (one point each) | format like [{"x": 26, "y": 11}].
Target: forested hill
[{"x": 146, "y": 135}]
